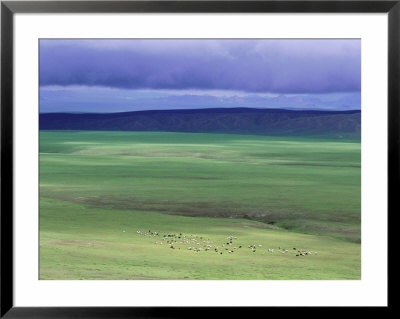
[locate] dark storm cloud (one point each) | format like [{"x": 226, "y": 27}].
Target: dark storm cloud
[{"x": 278, "y": 66}]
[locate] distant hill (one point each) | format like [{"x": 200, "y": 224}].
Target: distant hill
[{"x": 338, "y": 124}]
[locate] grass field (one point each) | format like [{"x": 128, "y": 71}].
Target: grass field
[{"x": 102, "y": 192}]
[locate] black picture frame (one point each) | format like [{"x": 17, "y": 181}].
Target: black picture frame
[{"x": 9, "y": 8}]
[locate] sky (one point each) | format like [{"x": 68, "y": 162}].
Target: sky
[{"x": 104, "y": 76}]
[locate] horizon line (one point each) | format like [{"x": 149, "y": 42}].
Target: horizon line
[{"x": 211, "y": 108}]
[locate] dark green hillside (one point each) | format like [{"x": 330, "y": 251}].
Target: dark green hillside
[{"x": 239, "y": 121}]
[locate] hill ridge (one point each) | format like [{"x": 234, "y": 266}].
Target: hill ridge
[{"x": 214, "y": 120}]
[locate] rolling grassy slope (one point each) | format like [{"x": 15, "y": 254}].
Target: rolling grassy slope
[
  {"x": 98, "y": 188},
  {"x": 79, "y": 241}
]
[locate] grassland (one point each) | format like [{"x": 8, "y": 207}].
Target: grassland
[{"x": 97, "y": 189}]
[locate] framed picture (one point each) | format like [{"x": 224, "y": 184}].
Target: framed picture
[{"x": 163, "y": 155}]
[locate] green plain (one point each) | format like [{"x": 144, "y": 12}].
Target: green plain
[{"x": 97, "y": 189}]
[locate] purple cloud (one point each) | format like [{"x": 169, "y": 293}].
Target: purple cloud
[{"x": 253, "y": 66}]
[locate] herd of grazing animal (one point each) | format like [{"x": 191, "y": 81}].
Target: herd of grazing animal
[{"x": 197, "y": 243}]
